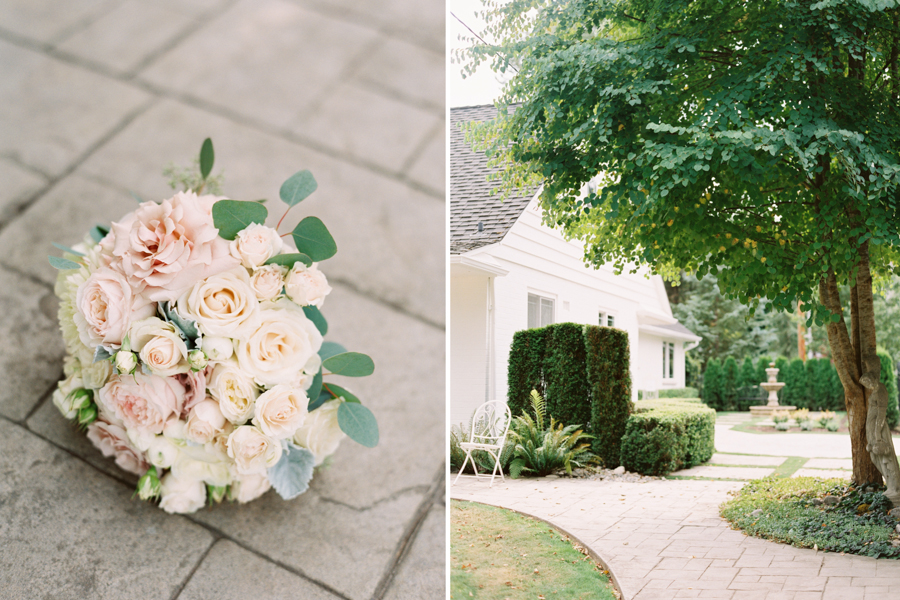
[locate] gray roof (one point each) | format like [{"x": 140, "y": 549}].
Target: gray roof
[
  {"x": 471, "y": 201},
  {"x": 677, "y": 328}
]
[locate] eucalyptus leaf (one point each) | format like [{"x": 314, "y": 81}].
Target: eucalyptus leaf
[
  {"x": 102, "y": 353},
  {"x": 329, "y": 349},
  {"x": 337, "y": 391},
  {"x": 288, "y": 260},
  {"x": 350, "y": 364},
  {"x": 313, "y": 239},
  {"x": 232, "y": 216},
  {"x": 290, "y": 476},
  {"x": 67, "y": 249},
  {"x": 207, "y": 158},
  {"x": 63, "y": 264},
  {"x": 298, "y": 187},
  {"x": 322, "y": 399},
  {"x": 358, "y": 423},
  {"x": 315, "y": 315},
  {"x": 316, "y": 388},
  {"x": 98, "y": 232}
]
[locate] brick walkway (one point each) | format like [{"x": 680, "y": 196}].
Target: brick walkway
[
  {"x": 664, "y": 539},
  {"x": 97, "y": 97}
]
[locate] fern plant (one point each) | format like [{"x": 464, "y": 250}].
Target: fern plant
[{"x": 541, "y": 451}]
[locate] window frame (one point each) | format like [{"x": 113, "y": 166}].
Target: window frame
[{"x": 541, "y": 299}]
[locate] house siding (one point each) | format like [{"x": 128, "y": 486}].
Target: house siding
[{"x": 468, "y": 343}]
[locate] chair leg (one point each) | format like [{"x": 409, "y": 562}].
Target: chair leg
[
  {"x": 496, "y": 467},
  {"x": 463, "y": 467}
]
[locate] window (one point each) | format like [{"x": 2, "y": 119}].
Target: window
[
  {"x": 668, "y": 360},
  {"x": 606, "y": 320},
  {"x": 540, "y": 311},
  {"x": 610, "y": 321}
]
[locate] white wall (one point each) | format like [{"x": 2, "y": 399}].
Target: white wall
[
  {"x": 650, "y": 363},
  {"x": 468, "y": 325}
]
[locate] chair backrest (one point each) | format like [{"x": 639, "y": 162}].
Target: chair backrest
[{"x": 490, "y": 423}]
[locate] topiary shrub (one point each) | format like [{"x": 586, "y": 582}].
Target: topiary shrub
[
  {"x": 608, "y": 373},
  {"x": 818, "y": 377},
  {"x": 889, "y": 379},
  {"x": 662, "y": 436},
  {"x": 762, "y": 363},
  {"x": 567, "y": 392},
  {"x": 685, "y": 392},
  {"x": 525, "y": 370},
  {"x": 712, "y": 384},
  {"x": 794, "y": 378}
]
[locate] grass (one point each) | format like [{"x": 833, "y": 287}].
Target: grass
[
  {"x": 498, "y": 554},
  {"x": 858, "y": 524}
]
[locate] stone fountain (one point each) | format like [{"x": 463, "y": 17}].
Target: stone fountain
[{"x": 772, "y": 386}]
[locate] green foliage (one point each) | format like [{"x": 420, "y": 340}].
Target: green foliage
[
  {"x": 297, "y": 187},
  {"x": 730, "y": 377},
  {"x": 889, "y": 379},
  {"x": 525, "y": 367},
  {"x": 63, "y": 264},
  {"x": 350, "y": 364},
  {"x": 762, "y": 363},
  {"x": 191, "y": 178},
  {"x": 567, "y": 391},
  {"x": 685, "y": 392},
  {"x": 483, "y": 461},
  {"x": 358, "y": 423},
  {"x": 315, "y": 315},
  {"x": 664, "y": 436},
  {"x": 207, "y": 158},
  {"x": 232, "y": 216},
  {"x": 713, "y": 385},
  {"x": 818, "y": 376},
  {"x": 795, "y": 383},
  {"x": 789, "y": 515},
  {"x": 288, "y": 260},
  {"x": 313, "y": 239},
  {"x": 291, "y": 474},
  {"x": 749, "y": 393},
  {"x": 609, "y": 375}
]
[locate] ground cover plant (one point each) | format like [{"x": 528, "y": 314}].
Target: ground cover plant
[
  {"x": 793, "y": 511},
  {"x": 484, "y": 461},
  {"x": 497, "y": 554}
]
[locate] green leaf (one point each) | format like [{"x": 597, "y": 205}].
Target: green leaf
[
  {"x": 329, "y": 349},
  {"x": 315, "y": 315},
  {"x": 63, "y": 264},
  {"x": 207, "y": 157},
  {"x": 337, "y": 391},
  {"x": 322, "y": 399},
  {"x": 288, "y": 260},
  {"x": 358, "y": 423},
  {"x": 350, "y": 364},
  {"x": 187, "y": 328},
  {"x": 98, "y": 232},
  {"x": 232, "y": 216},
  {"x": 298, "y": 187},
  {"x": 290, "y": 476},
  {"x": 315, "y": 390},
  {"x": 67, "y": 249},
  {"x": 312, "y": 238}
]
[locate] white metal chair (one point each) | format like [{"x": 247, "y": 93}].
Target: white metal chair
[{"x": 489, "y": 428}]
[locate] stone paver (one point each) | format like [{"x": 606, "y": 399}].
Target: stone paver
[
  {"x": 696, "y": 555},
  {"x": 829, "y": 463},
  {"x": 743, "y": 459},
  {"x": 725, "y": 472},
  {"x": 98, "y": 96},
  {"x": 810, "y": 445}
]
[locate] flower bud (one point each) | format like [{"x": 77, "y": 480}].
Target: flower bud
[
  {"x": 217, "y": 348},
  {"x": 87, "y": 415},
  {"x": 216, "y": 493},
  {"x": 126, "y": 362},
  {"x": 148, "y": 485},
  {"x": 80, "y": 398},
  {"x": 197, "y": 360}
]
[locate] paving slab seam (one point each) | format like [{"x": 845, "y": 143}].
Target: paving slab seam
[
  {"x": 12, "y": 269},
  {"x": 437, "y": 489},
  {"x": 393, "y": 94},
  {"x": 413, "y": 489},
  {"x": 190, "y": 574},
  {"x": 84, "y": 22},
  {"x": 420, "y": 147},
  {"x": 37, "y": 405}
]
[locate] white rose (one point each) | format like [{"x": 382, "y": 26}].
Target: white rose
[
  {"x": 106, "y": 306},
  {"x": 174, "y": 429},
  {"x": 280, "y": 411},
  {"x": 245, "y": 488},
  {"x": 181, "y": 494},
  {"x": 159, "y": 346},
  {"x": 234, "y": 391},
  {"x": 267, "y": 282},
  {"x": 282, "y": 345},
  {"x": 95, "y": 375},
  {"x": 162, "y": 452},
  {"x": 197, "y": 462},
  {"x": 320, "y": 432},
  {"x": 255, "y": 245},
  {"x": 126, "y": 362},
  {"x": 252, "y": 450},
  {"x": 204, "y": 421},
  {"x": 306, "y": 285},
  {"x": 61, "y": 398},
  {"x": 217, "y": 348},
  {"x": 223, "y": 305}
]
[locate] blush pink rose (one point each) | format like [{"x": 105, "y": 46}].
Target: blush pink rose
[
  {"x": 143, "y": 402},
  {"x": 111, "y": 440},
  {"x": 165, "y": 248},
  {"x": 105, "y": 307},
  {"x": 194, "y": 383}
]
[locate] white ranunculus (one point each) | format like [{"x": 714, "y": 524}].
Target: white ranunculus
[
  {"x": 256, "y": 244},
  {"x": 320, "y": 432},
  {"x": 162, "y": 452},
  {"x": 95, "y": 375},
  {"x": 282, "y": 345},
  {"x": 267, "y": 281},
  {"x": 160, "y": 347},
  {"x": 306, "y": 285},
  {"x": 204, "y": 421},
  {"x": 253, "y": 451},
  {"x": 181, "y": 494},
  {"x": 280, "y": 411},
  {"x": 234, "y": 390},
  {"x": 245, "y": 488},
  {"x": 223, "y": 305},
  {"x": 197, "y": 462},
  {"x": 217, "y": 348}
]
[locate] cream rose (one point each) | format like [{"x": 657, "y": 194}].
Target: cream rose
[
  {"x": 204, "y": 422},
  {"x": 142, "y": 402},
  {"x": 62, "y": 398},
  {"x": 245, "y": 488},
  {"x": 217, "y": 349},
  {"x": 162, "y": 452},
  {"x": 164, "y": 248},
  {"x": 105, "y": 307},
  {"x": 252, "y": 450},
  {"x": 306, "y": 285},
  {"x": 112, "y": 441},
  {"x": 320, "y": 432},
  {"x": 255, "y": 245},
  {"x": 160, "y": 347},
  {"x": 95, "y": 375},
  {"x": 223, "y": 305},
  {"x": 282, "y": 345},
  {"x": 181, "y": 494},
  {"x": 197, "y": 462},
  {"x": 267, "y": 282},
  {"x": 234, "y": 390},
  {"x": 280, "y": 411}
]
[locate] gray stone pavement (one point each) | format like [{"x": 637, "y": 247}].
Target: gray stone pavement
[{"x": 96, "y": 97}]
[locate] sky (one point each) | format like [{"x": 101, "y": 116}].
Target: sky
[{"x": 482, "y": 87}]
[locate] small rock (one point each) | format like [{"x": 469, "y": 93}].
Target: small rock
[
  {"x": 895, "y": 512},
  {"x": 817, "y": 501},
  {"x": 897, "y": 528},
  {"x": 551, "y": 476},
  {"x": 830, "y": 500},
  {"x": 869, "y": 489},
  {"x": 896, "y": 543},
  {"x": 620, "y": 470},
  {"x": 756, "y": 512}
]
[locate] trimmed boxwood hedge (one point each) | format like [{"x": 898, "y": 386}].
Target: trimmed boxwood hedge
[
  {"x": 568, "y": 395},
  {"x": 608, "y": 372},
  {"x": 525, "y": 369},
  {"x": 685, "y": 392},
  {"x": 662, "y": 436}
]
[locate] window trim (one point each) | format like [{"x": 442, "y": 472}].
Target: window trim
[{"x": 541, "y": 298}]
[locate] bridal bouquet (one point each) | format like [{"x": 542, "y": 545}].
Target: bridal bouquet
[{"x": 195, "y": 347}]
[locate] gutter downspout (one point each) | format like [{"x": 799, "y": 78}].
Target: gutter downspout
[{"x": 489, "y": 343}]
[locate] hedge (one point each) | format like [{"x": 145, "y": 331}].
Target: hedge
[
  {"x": 685, "y": 392},
  {"x": 608, "y": 359},
  {"x": 568, "y": 395},
  {"x": 889, "y": 379},
  {"x": 662, "y": 436},
  {"x": 525, "y": 370}
]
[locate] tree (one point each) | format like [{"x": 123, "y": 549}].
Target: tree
[
  {"x": 712, "y": 385},
  {"x": 730, "y": 377},
  {"x": 756, "y": 141}
]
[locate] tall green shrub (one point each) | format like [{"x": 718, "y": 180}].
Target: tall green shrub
[
  {"x": 730, "y": 377},
  {"x": 712, "y": 384},
  {"x": 781, "y": 363},
  {"x": 818, "y": 376},
  {"x": 568, "y": 395},
  {"x": 762, "y": 363},
  {"x": 889, "y": 379},
  {"x": 794, "y": 391},
  {"x": 608, "y": 361},
  {"x": 525, "y": 371},
  {"x": 748, "y": 385}
]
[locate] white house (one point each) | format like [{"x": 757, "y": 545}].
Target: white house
[{"x": 510, "y": 272}]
